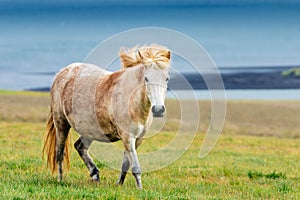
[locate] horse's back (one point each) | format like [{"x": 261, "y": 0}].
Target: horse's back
[
  {"x": 77, "y": 68},
  {"x": 72, "y": 76},
  {"x": 73, "y": 96},
  {"x": 74, "y": 72}
]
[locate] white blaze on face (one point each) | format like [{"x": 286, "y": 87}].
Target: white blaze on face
[{"x": 156, "y": 83}]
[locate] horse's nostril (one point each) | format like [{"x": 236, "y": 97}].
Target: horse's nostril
[
  {"x": 163, "y": 109},
  {"x": 158, "y": 109},
  {"x": 153, "y": 109}
]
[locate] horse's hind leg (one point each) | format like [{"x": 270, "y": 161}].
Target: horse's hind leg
[
  {"x": 82, "y": 145},
  {"x": 62, "y": 131}
]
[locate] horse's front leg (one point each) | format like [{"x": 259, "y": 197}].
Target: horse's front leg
[
  {"x": 126, "y": 163},
  {"x": 124, "y": 168},
  {"x": 82, "y": 145},
  {"x": 130, "y": 151}
]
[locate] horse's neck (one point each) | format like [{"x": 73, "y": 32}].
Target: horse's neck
[{"x": 140, "y": 102}]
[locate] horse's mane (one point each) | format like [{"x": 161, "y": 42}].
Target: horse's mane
[{"x": 150, "y": 55}]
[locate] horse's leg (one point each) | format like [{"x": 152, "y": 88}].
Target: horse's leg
[
  {"x": 137, "y": 175},
  {"x": 82, "y": 145},
  {"x": 124, "y": 168},
  {"x": 62, "y": 131},
  {"x": 130, "y": 147}
]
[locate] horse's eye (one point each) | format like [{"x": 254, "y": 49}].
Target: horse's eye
[
  {"x": 167, "y": 79},
  {"x": 146, "y": 79}
]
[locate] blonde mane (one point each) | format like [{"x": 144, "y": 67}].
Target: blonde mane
[{"x": 151, "y": 55}]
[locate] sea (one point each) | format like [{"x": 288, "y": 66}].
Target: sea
[{"x": 38, "y": 39}]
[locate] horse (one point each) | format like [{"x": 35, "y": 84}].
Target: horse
[{"x": 107, "y": 106}]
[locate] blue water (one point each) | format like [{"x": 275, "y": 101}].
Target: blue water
[
  {"x": 43, "y": 38},
  {"x": 275, "y": 94}
]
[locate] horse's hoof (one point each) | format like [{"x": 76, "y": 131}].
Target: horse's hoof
[
  {"x": 121, "y": 179},
  {"x": 119, "y": 182},
  {"x": 95, "y": 178},
  {"x": 138, "y": 180},
  {"x": 59, "y": 178}
]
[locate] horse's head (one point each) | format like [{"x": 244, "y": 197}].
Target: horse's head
[
  {"x": 156, "y": 60},
  {"x": 156, "y": 86}
]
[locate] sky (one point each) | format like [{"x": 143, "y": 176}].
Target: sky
[{"x": 152, "y": 2}]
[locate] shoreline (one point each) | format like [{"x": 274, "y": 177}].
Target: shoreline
[{"x": 233, "y": 79}]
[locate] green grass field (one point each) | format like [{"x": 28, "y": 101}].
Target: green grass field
[{"x": 256, "y": 157}]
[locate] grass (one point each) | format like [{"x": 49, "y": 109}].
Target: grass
[
  {"x": 256, "y": 157},
  {"x": 272, "y": 175},
  {"x": 295, "y": 71}
]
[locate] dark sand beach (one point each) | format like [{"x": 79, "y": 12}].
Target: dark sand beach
[
  {"x": 233, "y": 78},
  {"x": 241, "y": 80}
]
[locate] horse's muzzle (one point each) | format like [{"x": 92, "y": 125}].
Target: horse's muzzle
[{"x": 158, "y": 110}]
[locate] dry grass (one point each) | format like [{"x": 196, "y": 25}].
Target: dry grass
[
  {"x": 23, "y": 106},
  {"x": 255, "y": 118},
  {"x": 264, "y": 118}
]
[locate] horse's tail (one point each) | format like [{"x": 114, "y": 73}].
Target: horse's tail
[{"x": 49, "y": 148}]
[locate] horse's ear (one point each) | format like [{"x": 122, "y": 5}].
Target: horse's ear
[
  {"x": 168, "y": 54},
  {"x": 139, "y": 56}
]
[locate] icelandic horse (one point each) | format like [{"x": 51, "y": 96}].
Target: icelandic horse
[{"x": 106, "y": 107}]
